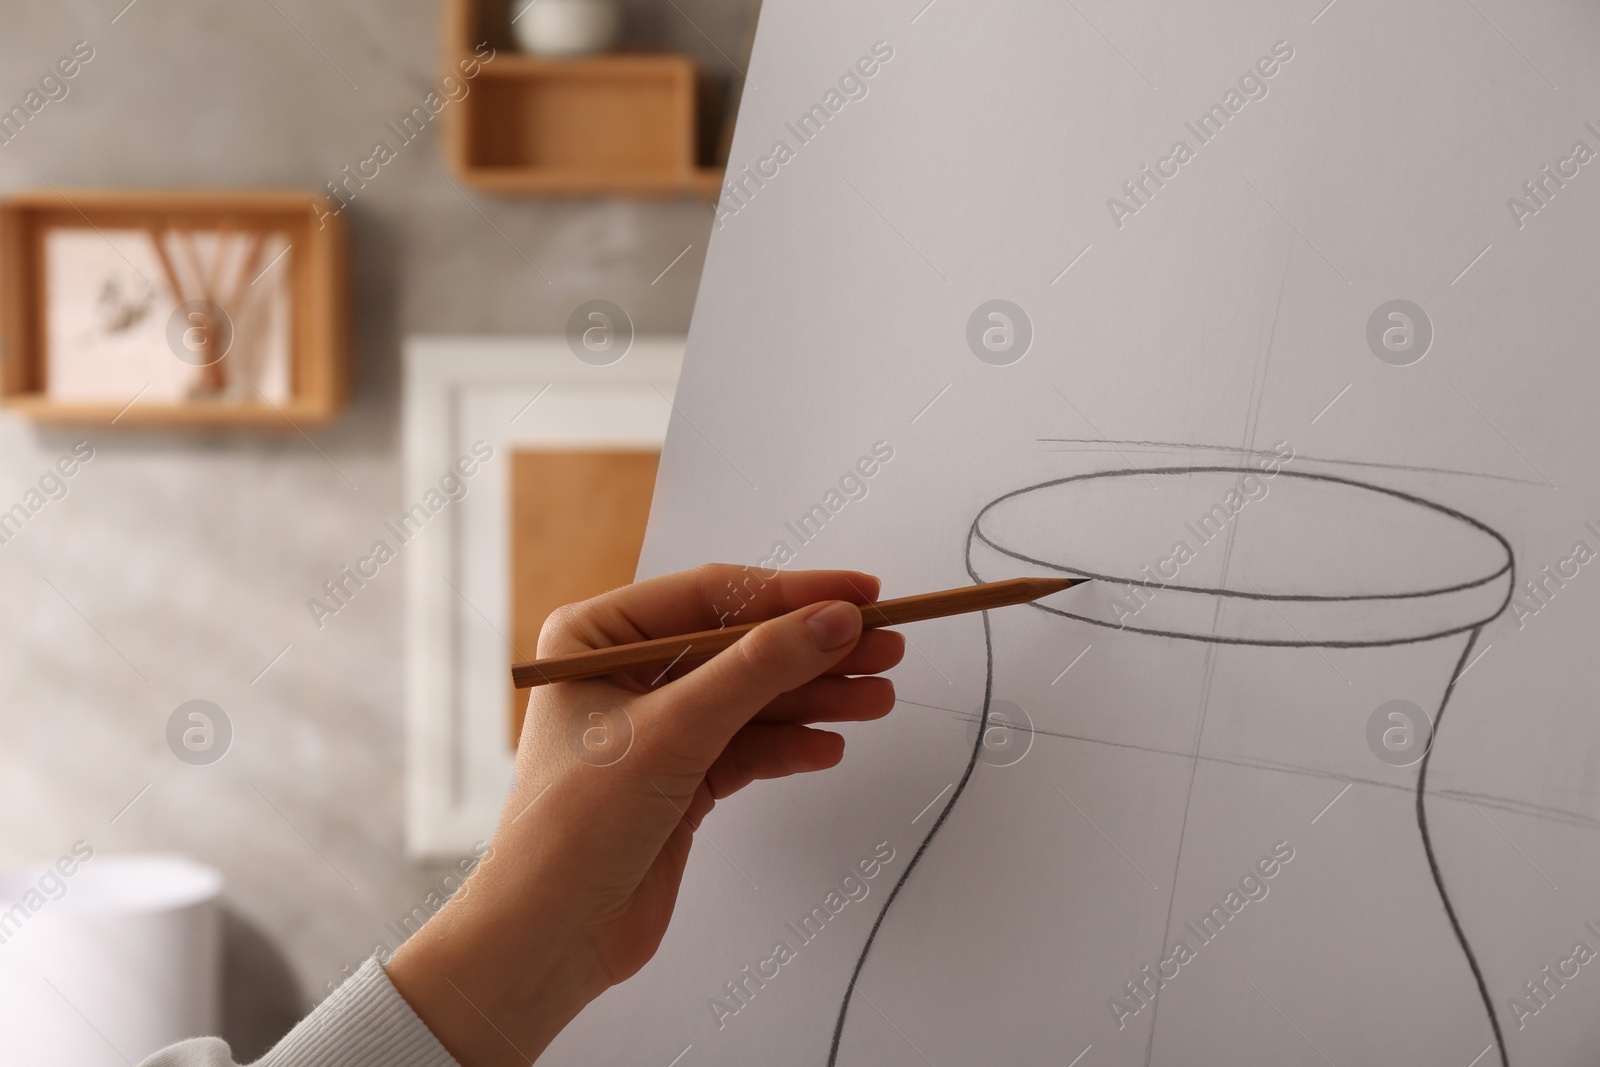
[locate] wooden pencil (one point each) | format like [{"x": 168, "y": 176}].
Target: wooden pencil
[{"x": 665, "y": 651}]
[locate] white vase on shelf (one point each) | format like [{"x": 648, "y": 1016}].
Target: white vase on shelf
[{"x": 566, "y": 29}]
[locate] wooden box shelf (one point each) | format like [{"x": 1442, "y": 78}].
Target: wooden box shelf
[
  {"x": 316, "y": 292},
  {"x": 620, "y": 124}
]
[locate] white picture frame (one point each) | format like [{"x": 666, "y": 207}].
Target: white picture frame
[{"x": 508, "y": 393}]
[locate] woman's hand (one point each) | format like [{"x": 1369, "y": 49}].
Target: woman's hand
[{"x": 613, "y": 777}]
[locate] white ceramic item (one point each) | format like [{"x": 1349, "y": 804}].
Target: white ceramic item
[
  {"x": 108, "y": 963},
  {"x": 566, "y": 29}
]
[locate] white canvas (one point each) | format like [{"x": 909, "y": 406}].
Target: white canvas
[{"x": 1388, "y": 515}]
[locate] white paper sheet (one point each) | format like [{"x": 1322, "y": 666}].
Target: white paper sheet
[{"x": 1238, "y": 724}]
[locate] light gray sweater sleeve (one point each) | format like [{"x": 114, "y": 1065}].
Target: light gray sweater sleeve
[{"x": 363, "y": 1023}]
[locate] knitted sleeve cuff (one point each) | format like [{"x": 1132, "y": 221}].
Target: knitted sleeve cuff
[{"x": 363, "y": 1023}]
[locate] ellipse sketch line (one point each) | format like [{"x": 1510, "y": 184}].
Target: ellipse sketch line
[{"x": 1503, "y": 569}]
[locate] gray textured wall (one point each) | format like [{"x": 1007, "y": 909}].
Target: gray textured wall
[{"x": 177, "y": 567}]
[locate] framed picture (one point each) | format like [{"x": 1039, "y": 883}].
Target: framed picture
[
  {"x": 186, "y": 308},
  {"x": 562, "y": 456}
]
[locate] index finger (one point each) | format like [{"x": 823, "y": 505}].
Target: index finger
[{"x": 706, "y": 598}]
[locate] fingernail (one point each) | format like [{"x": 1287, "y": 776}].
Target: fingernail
[{"x": 834, "y": 625}]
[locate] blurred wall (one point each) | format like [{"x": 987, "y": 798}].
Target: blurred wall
[{"x": 177, "y": 567}]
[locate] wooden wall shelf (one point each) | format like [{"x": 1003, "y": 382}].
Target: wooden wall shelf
[
  {"x": 316, "y": 292},
  {"x": 624, "y": 124}
]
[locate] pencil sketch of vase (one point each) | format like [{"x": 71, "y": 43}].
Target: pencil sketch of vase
[{"x": 1245, "y": 621}]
